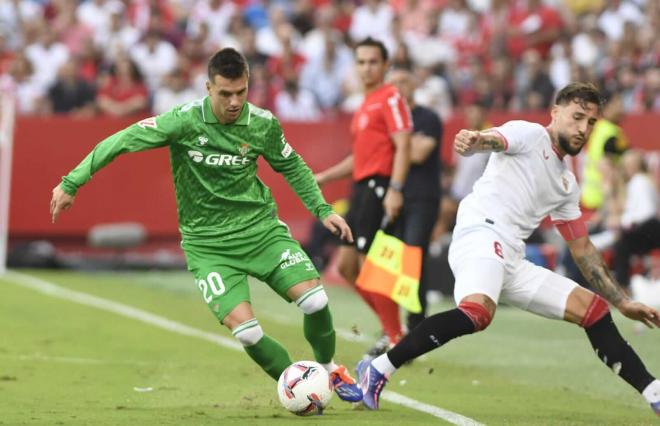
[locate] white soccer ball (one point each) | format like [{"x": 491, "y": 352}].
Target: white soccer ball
[{"x": 304, "y": 388}]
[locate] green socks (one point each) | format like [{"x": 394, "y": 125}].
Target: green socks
[
  {"x": 320, "y": 334},
  {"x": 270, "y": 355}
]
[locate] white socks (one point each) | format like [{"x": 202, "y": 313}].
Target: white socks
[
  {"x": 384, "y": 366},
  {"x": 652, "y": 392}
]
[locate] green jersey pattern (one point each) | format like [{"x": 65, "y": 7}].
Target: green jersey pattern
[{"x": 214, "y": 167}]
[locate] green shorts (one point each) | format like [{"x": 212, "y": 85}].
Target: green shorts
[{"x": 221, "y": 269}]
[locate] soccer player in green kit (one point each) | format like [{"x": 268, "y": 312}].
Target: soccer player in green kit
[{"x": 227, "y": 216}]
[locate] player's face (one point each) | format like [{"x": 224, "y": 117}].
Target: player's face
[
  {"x": 371, "y": 66},
  {"x": 573, "y": 123},
  {"x": 227, "y": 97}
]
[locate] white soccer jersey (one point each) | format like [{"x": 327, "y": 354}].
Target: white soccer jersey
[{"x": 521, "y": 186}]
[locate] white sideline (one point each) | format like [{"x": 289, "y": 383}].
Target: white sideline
[{"x": 54, "y": 290}]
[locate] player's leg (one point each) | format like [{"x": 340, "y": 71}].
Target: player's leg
[
  {"x": 550, "y": 295},
  {"x": 319, "y": 331},
  {"x": 293, "y": 276},
  {"x": 271, "y": 356},
  {"x": 225, "y": 290},
  {"x": 367, "y": 217},
  {"x": 478, "y": 284}
]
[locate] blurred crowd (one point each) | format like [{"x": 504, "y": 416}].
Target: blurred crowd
[{"x": 125, "y": 57}]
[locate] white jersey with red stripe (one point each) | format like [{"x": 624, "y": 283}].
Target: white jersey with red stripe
[{"x": 521, "y": 186}]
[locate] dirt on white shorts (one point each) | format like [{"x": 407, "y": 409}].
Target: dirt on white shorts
[{"x": 483, "y": 263}]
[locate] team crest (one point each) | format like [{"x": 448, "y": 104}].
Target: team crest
[
  {"x": 202, "y": 140},
  {"x": 244, "y": 149}
]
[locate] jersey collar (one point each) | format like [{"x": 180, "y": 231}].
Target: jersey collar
[{"x": 209, "y": 117}]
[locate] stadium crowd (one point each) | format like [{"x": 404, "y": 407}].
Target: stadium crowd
[{"x": 126, "y": 57}]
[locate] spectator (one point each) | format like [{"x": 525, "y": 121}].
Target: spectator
[
  {"x": 603, "y": 150},
  {"x": 119, "y": 37},
  {"x": 71, "y": 94},
  {"x": 123, "y": 93},
  {"x": 323, "y": 75},
  {"x": 216, "y": 14},
  {"x": 535, "y": 89},
  {"x": 373, "y": 19},
  {"x": 14, "y": 15},
  {"x": 176, "y": 90},
  {"x": 296, "y": 104},
  {"x": 640, "y": 225},
  {"x": 70, "y": 30},
  {"x": 96, "y": 14},
  {"x": 29, "y": 90},
  {"x": 612, "y": 20},
  {"x": 155, "y": 58},
  {"x": 532, "y": 25},
  {"x": 47, "y": 56}
]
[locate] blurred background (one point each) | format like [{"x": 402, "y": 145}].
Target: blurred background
[{"x": 82, "y": 70}]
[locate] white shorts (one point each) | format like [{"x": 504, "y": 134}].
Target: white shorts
[{"x": 483, "y": 263}]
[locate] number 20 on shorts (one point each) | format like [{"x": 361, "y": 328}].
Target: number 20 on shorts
[{"x": 211, "y": 286}]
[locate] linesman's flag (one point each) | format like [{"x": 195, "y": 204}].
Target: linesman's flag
[{"x": 392, "y": 269}]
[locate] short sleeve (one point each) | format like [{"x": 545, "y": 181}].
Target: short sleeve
[
  {"x": 519, "y": 136},
  {"x": 397, "y": 114},
  {"x": 570, "y": 209}
]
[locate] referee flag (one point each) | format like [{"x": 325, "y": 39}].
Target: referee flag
[{"x": 392, "y": 269}]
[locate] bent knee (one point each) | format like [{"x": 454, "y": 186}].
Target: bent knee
[
  {"x": 248, "y": 333},
  {"x": 313, "y": 300},
  {"x": 480, "y": 315}
]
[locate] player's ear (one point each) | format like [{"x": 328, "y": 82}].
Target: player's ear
[{"x": 554, "y": 111}]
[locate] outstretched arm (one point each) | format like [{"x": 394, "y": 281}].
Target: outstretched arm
[
  {"x": 595, "y": 271},
  {"x": 468, "y": 142}
]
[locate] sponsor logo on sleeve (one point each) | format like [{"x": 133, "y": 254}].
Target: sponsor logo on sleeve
[{"x": 148, "y": 122}]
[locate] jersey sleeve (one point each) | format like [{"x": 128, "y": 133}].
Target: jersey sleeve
[
  {"x": 152, "y": 132},
  {"x": 397, "y": 114},
  {"x": 570, "y": 209},
  {"x": 519, "y": 135},
  {"x": 284, "y": 160}
]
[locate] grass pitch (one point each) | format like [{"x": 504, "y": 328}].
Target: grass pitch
[{"x": 63, "y": 363}]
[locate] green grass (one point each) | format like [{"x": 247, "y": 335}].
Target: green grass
[{"x": 62, "y": 363}]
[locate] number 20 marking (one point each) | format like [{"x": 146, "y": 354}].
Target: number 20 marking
[{"x": 211, "y": 286}]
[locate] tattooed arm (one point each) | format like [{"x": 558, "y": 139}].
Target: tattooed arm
[
  {"x": 467, "y": 142},
  {"x": 597, "y": 274}
]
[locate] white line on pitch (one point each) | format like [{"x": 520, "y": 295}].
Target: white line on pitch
[{"x": 54, "y": 290}]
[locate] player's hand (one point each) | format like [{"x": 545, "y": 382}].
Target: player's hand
[
  {"x": 338, "y": 226},
  {"x": 61, "y": 201},
  {"x": 392, "y": 203},
  {"x": 640, "y": 312},
  {"x": 465, "y": 142}
]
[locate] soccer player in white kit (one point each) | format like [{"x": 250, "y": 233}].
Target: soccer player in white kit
[{"x": 525, "y": 180}]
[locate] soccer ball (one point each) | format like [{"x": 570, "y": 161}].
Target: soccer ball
[{"x": 304, "y": 388}]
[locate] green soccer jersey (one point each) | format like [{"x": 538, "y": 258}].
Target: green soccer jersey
[{"x": 214, "y": 167}]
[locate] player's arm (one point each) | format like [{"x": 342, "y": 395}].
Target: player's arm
[
  {"x": 597, "y": 274},
  {"x": 421, "y": 147},
  {"x": 341, "y": 170},
  {"x": 393, "y": 200},
  {"x": 149, "y": 133},
  {"x": 468, "y": 142},
  {"x": 284, "y": 160}
]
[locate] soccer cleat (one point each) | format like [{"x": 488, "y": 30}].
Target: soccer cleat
[
  {"x": 372, "y": 383},
  {"x": 656, "y": 407},
  {"x": 345, "y": 386}
]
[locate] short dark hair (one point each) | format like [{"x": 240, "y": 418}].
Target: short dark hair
[
  {"x": 372, "y": 42},
  {"x": 580, "y": 92},
  {"x": 228, "y": 63}
]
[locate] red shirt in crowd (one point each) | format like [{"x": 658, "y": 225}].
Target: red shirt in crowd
[{"x": 383, "y": 113}]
